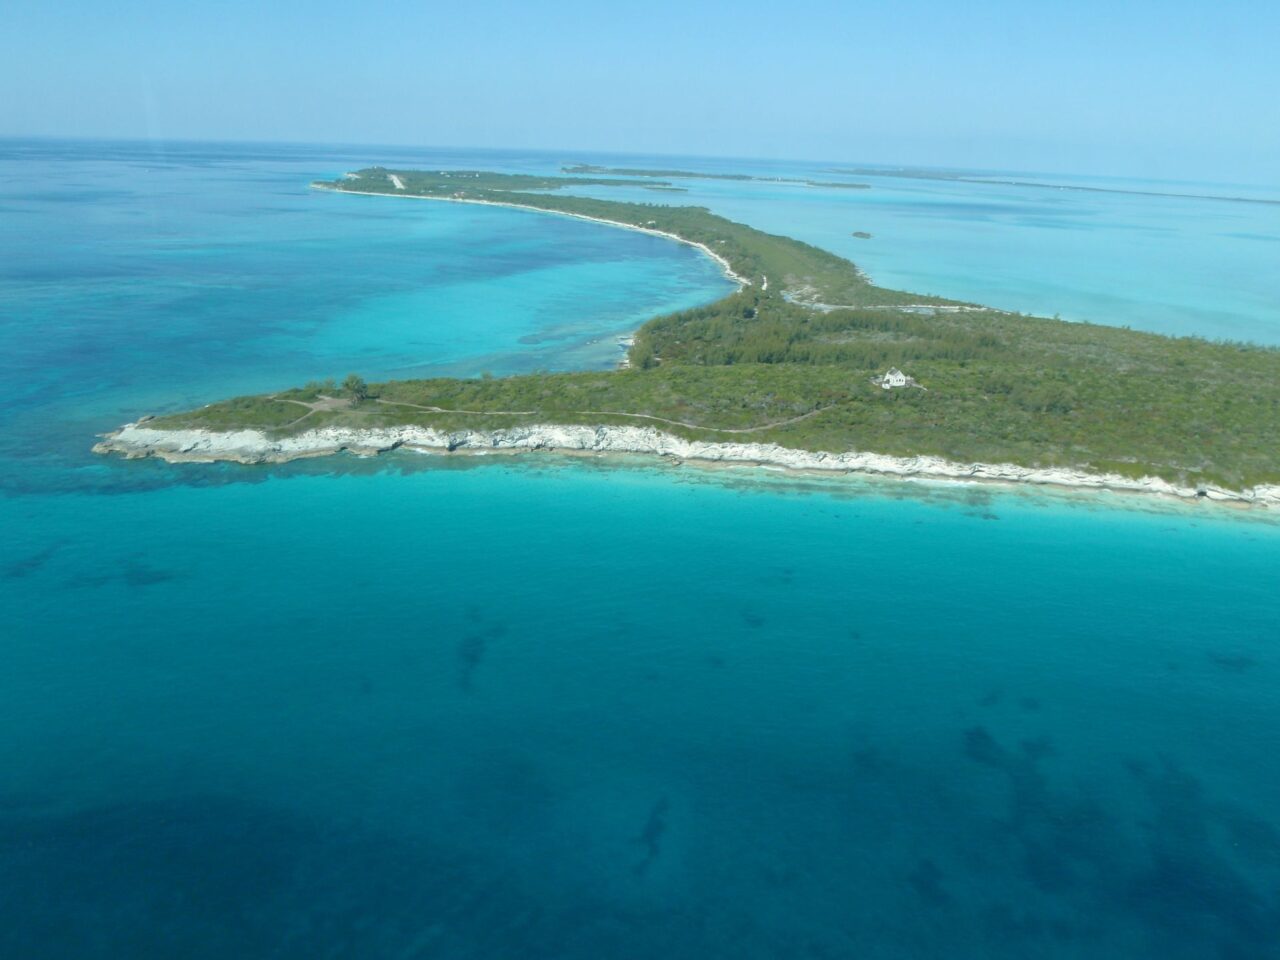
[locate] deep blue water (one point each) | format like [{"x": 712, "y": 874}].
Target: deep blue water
[{"x": 414, "y": 707}]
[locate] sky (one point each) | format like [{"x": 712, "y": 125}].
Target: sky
[{"x": 1172, "y": 89}]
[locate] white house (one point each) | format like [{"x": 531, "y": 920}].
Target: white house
[{"x": 894, "y": 378}]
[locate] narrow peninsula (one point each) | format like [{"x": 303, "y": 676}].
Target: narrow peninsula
[{"x": 809, "y": 365}]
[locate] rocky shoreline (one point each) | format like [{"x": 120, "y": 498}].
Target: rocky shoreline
[{"x": 137, "y": 440}]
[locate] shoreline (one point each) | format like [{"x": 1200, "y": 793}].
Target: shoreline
[
  {"x": 138, "y": 441},
  {"x": 725, "y": 268}
]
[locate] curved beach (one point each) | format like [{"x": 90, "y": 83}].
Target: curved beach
[{"x": 724, "y": 264}]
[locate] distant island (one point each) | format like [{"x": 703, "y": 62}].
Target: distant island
[
  {"x": 581, "y": 168},
  {"x": 790, "y": 369},
  {"x": 911, "y": 173}
]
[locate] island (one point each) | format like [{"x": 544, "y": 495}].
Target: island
[
  {"x": 808, "y": 365},
  {"x": 589, "y": 168},
  {"x": 913, "y": 173}
]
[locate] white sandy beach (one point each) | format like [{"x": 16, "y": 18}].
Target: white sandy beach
[{"x": 724, "y": 264}]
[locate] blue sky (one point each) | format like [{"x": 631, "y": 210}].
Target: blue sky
[{"x": 1168, "y": 89}]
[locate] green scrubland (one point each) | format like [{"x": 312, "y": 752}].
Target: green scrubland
[{"x": 792, "y": 362}]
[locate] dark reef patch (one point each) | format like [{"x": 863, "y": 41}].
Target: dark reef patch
[
  {"x": 25, "y": 566},
  {"x": 1233, "y": 662},
  {"x": 474, "y": 645}
]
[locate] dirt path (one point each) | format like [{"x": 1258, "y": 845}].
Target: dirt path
[
  {"x": 322, "y": 403},
  {"x": 614, "y": 413}
]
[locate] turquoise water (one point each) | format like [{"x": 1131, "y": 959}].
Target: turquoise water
[
  {"x": 134, "y": 281},
  {"x": 1180, "y": 266},
  {"x": 413, "y": 707}
]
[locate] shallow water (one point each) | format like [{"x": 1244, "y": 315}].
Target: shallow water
[
  {"x": 436, "y": 707},
  {"x": 1174, "y": 265},
  {"x": 135, "y": 282}
]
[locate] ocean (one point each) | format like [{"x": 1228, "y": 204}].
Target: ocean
[{"x": 543, "y": 707}]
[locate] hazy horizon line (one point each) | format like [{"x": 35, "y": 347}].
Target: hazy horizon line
[{"x": 565, "y": 154}]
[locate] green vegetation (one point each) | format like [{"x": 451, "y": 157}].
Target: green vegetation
[
  {"x": 355, "y": 387},
  {"x": 798, "y": 270},
  {"x": 760, "y": 366},
  {"x": 445, "y": 182},
  {"x": 265, "y": 413}
]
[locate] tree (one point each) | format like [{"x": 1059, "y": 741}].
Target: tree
[{"x": 356, "y": 387}]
